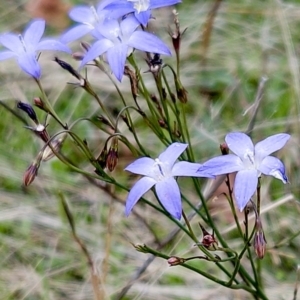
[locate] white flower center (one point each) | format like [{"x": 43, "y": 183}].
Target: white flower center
[
  {"x": 140, "y": 5},
  {"x": 249, "y": 160},
  {"x": 161, "y": 170}
]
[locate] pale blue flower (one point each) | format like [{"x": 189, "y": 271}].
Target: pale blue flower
[
  {"x": 140, "y": 8},
  {"x": 25, "y": 47},
  {"x": 249, "y": 162},
  {"x": 117, "y": 40},
  {"x": 160, "y": 172},
  {"x": 88, "y": 17}
]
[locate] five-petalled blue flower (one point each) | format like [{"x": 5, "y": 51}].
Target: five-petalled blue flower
[
  {"x": 118, "y": 40},
  {"x": 161, "y": 172},
  {"x": 25, "y": 47},
  {"x": 249, "y": 162}
]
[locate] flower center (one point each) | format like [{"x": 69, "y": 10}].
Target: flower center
[
  {"x": 140, "y": 5},
  {"x": 161, "y": 170},
  {"x": 249, "y": 160}
]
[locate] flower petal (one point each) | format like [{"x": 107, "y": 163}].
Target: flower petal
[
  {"x": 128, "y": 26},
  {"x": 148, "y": 42},
  {"x": 160, "y": 3},
  {"x": 270, "y": 145},
  {"x": 244, "y": 187},
  {"x": 29, "y": 65},
  {"x": 143, "y": 17},
  {"x": 168, "y": 194},
  {"x": 12, "y": 42},
  {"x": 239, "y": 143},
  {"x": 7, "y": 54},
  {"x": 274, "y": 167},
  {"x": 34, "y": 33},
  {"x": 116, "y": 57},
  {"x": 171, "y": 154},
  {"x": 82, "y": 14},
  {"x": 53, "y": 45},
  {"x": 75, "y": 33},
  {"x": 220, "y": 165},
  {"x": 96, "y": 50},
  {"x": 141, "y": 166},
  {"x": 137, "y": 191},
  {"x": 185, "y": 168}
]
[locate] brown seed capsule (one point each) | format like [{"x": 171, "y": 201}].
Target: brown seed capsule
[{"x": 112, "y": 156}]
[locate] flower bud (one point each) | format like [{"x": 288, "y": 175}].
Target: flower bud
[
  {"x": 224, "y": 149},
  {"x": 175, "y": 260},
  {"x": 39, "y": 103},
  {"x": 112, "y": 156},
  {"x": 208, "y": 240},
  {"x": 259, "y": 241},
  {"x": 29, "y": 110},
  {"x": 32, "y": 170},
  {"x": 68, "y": 68}
]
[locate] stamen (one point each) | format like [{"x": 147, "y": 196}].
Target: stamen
[{"x": 22, "y": 42}]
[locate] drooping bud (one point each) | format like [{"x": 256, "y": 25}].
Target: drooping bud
[
  {"x": 208, "y": 240},
  {"x": 39, "y": 103},
  {"x": 259, "y": 240},
  {"x": 32, "y": 170},
  {"x": 175, "y": 261},
  {"x": 112, "y": 156},
  {"x": 224, "y": 149},
  {"x": 68, "y": 68},
  {"x": 29, "y": 110}
]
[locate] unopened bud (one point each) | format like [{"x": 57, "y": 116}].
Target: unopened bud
[
  {"x": 224, "y": 149},
  {"x": 181, "y": 91},
  {"x": 78, "y": 56},
  {"x": 175, "y": 260},
  {"x": 112, "y": 156},
  {"x": 162, "y": 123},
  {"x": 208, "y": 241},
  {"x": 68, "y": 68},
  {"x": 259, "y": 241},
  {"x": 29, "y": 110},
  {"x": 32, "y": 170},
  {"x": 39, "y": 103}
]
